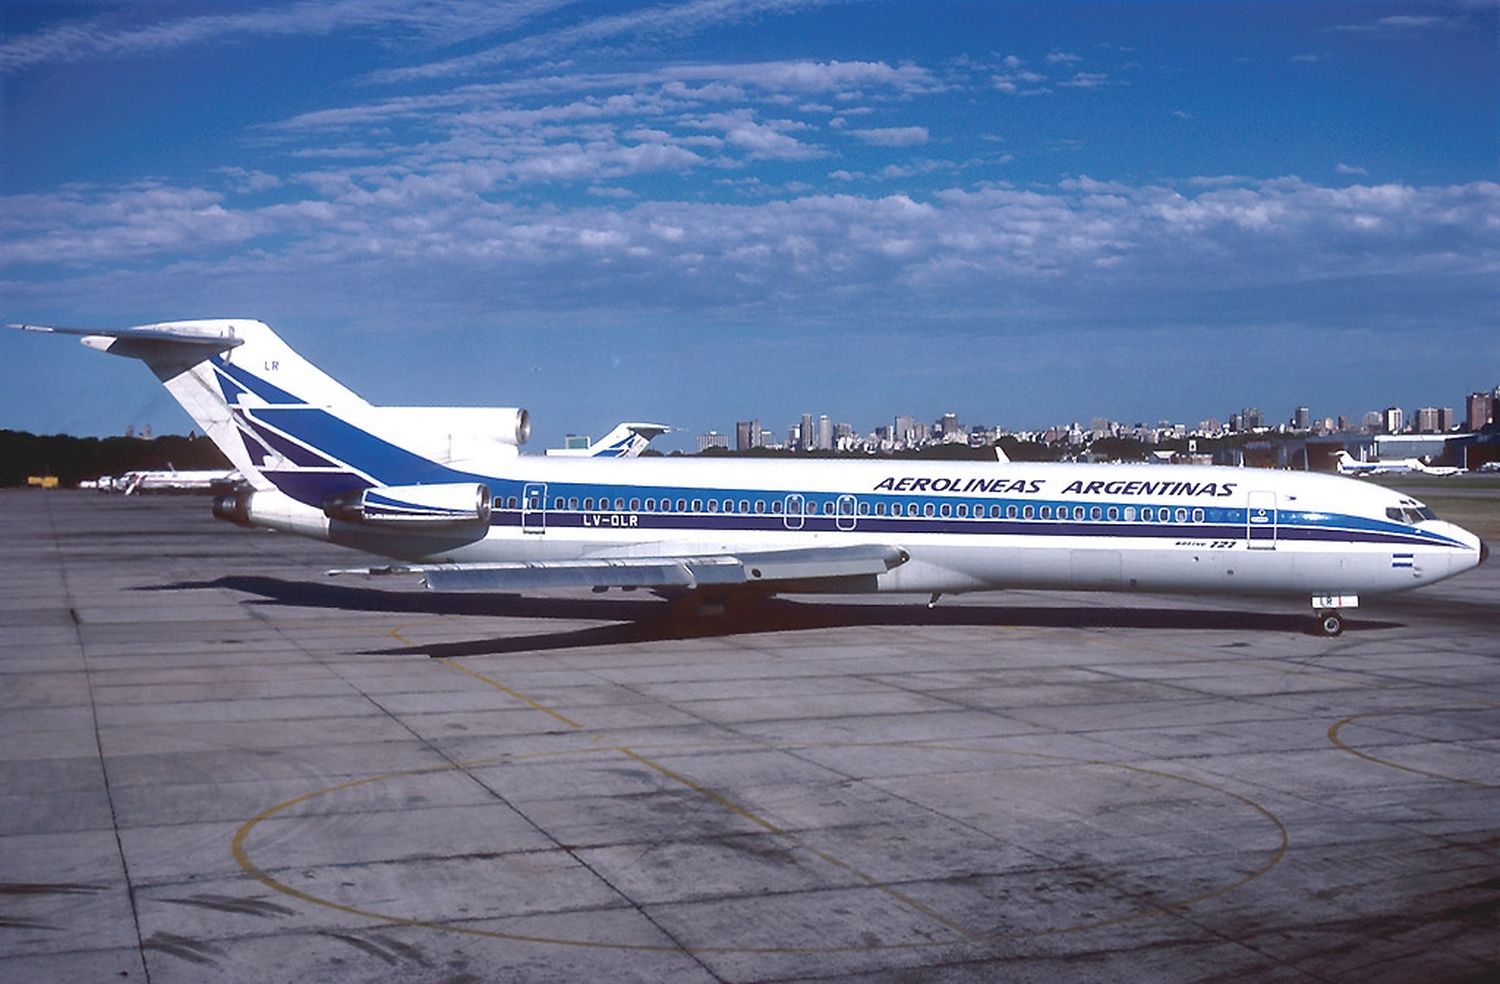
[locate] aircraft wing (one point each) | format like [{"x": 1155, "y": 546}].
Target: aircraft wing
[{"x": 685, "y": 571}]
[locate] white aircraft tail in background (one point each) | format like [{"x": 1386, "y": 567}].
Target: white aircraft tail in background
[
  {"x": 445, "y": 491},
  {"x": 627, "y": 440}
]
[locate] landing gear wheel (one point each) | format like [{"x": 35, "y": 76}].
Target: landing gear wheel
[{"x": 1330, "y": 623}]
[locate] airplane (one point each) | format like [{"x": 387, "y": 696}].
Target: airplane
[
  {"x": 627, "y": 440},
  {"x": 1347, "y": 465},
  {"x": 445, "y": 493},
  {"x": 171, "y": 480}
]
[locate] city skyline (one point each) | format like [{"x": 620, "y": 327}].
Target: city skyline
[
  {"x": 908, "y": 431},
  {"x": 607, "y": 210}
]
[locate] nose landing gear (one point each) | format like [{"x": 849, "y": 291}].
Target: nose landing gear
[
  {"x": 1330, "y": 623},
  {"x": 1329, "y": 617}
]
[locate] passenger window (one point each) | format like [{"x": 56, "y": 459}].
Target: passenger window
[
  {"x": 927, "y": 510},
  {"x": 573, "y": 502},
  {"x": 510, "y": 503},
  {"x": 666, "y": 505},
  {"x": 994, "y": 512},
  {"x": 1114, "y": 513},
  {"x": 1130, "y": 514},
  {"x": 947, "y": 510},
  {"x": 1095, "y": 513},
  {"x": 1078, "y": 512},
  {"x": 963, "y": 510},
  {"x": 864, "y": 509},
  {"x": 1182, "y": 515},
  {"x": 1197, "y": 515},
  {"x": 697, "y": 505},
  {"x": 635, "y": 505},
  {"x": 1010, "y": 512},
  {"x": 713, "y": 505},
  {"x": 588, "y": 502},
  {"x": 619, "y": 505},
  {"x": 1027, "y": 512},
  {"x": 744, "y": 505},
  {"x": 776, "y": 506},
  {"x": 880, "y": 509},
  {"x": 760, "y": 505},
  {"x": 1146, "y": 513},
  {"x": 651, "y": 505}
]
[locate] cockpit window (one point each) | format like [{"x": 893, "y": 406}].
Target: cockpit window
[{"x": 1409, "y": 514}]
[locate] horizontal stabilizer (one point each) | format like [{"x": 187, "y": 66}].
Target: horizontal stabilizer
[
  {"x": 209, "y": 340},
  {"x": 758, "y": 567}
]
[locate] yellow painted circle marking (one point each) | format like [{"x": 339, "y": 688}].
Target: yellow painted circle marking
[
  {"x": 960, "y": 934},
  {"x": 1335, "y": 735}
]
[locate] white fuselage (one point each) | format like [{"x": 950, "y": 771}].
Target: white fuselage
[{"x": 966, "y": 526}]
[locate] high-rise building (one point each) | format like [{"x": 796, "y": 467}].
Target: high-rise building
[
  {"x": 825, "y": 433},
  {"x": 1302, "y": 419},
  {"x": 1392, "y": 420},
  {"x": 713, "y": 439},
  {"x": 904, "y": 432},
  {"x": 949, "y": 428},
  {"x": 1480, "y": 408},
  {"x": 746, "y": 435},
  {"x": 806, "y": 439},
  {"x": 1434, "y": 420}
]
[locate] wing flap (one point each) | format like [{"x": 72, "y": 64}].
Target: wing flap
[{"x": 752, "y": 567}]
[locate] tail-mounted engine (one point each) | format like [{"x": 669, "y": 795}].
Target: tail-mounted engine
[{"x": 413, "y": 505}]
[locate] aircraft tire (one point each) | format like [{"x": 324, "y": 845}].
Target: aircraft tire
[{"x": 1330, "y": 623}]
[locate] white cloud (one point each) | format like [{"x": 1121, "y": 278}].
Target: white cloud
[
  {"x": 649, "y": 24},
  {"x": 893, "y": 136},
  {"x": 1343, "y": 168},
  {"x": 426, "y": 231},
  {"x": 1087, "y": 80},
  {"x": 1063, "y": 58},
  {"x": 135, "y": 29}
]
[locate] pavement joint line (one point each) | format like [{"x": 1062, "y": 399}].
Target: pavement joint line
[
  {"x": 720, "y": 799},
  {"x": 1152, "y": 909},
  {"x": 109, "y": 793},
  {"x": 1336, "y": 738}
]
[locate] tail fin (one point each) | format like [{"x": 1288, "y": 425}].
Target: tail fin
[
  {"x": 219, "y": 369},
  {"x": 627, "y": 440},
  {"x": 286, "y": 424}
]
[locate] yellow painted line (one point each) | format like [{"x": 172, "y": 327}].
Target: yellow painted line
[
  {"x": 1335, "y": 736},
  {"x": 492, "y": 682},
  {"x": 529, "y": 702}
]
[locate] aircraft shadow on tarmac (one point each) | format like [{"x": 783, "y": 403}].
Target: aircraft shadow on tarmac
[{"x": 648, "y": 618}]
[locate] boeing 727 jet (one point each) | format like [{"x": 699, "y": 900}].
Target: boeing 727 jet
[{"x": 445, "y": 493}]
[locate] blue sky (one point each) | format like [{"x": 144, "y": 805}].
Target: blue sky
[{"x": 709, "y": 210}]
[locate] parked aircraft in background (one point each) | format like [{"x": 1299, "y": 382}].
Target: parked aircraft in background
[
  {"x": 1348, "y": 465},
  {"x": 445, "y": 492},
  {"x": 167, "y": 480},
  {"x": 627, "y": 440}
]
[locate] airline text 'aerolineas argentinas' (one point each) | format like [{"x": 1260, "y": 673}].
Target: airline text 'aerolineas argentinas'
[{"x": 444, "y": 491}]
